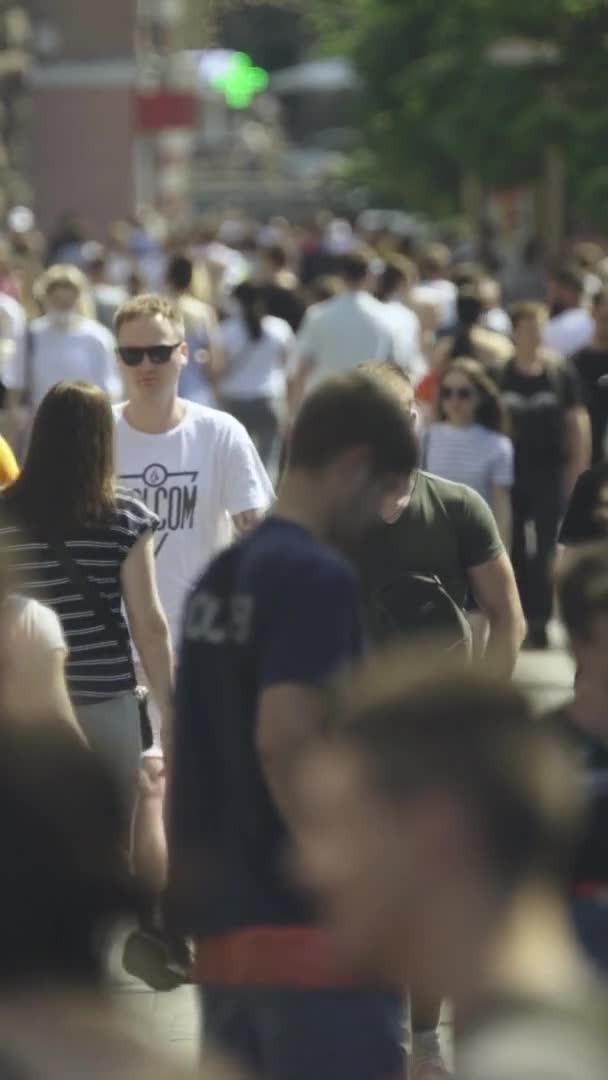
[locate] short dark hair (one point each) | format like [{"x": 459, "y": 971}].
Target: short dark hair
[
  {"x": 391, "y": 375},
  {"x": 349, "y": 410},
  {"x": 354, "y": 267},
  {"x": 570, "y": 276},
  {"x": 276, "y": 254},
  {"x": 466, "y": 734},
  {"x": 527, "y": 309},
  {"x": 582, "y": 587},
  {"x": 180, "y": 271},
  {"x": 149, "y": 306}
]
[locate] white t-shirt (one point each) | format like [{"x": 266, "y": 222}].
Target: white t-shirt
[
  {"x": 83, "y": 350},
  {"x": 442, "y": 293},
  {"x": 569, "y": 331},
  {"x": 469, "y": 455},
  {"x": 195, "y": 477},
  {"x": 406, "y": 330},
  {"x": 346, "y": 331},
  {"x": 256, "y": 369},
  {"x": 31, "y": 630}
]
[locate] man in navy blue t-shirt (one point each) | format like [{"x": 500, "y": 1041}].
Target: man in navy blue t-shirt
[{"x": 266, "y": 628}]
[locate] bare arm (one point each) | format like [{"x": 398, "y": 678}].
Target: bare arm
[
  {"x": 149, "y": 628},
  {"x": 247, "y": 519},
  {"x": 501, "y": 505},
  {"x": 288, "y": 716},
  {"x": 578, "y": 446},
  {"x": 495, "y": 590}
]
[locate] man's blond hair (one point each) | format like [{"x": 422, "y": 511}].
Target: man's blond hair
[{"x": 149, "y": 306}]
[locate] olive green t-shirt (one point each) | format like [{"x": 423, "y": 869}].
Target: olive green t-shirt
[{"x": 445, "y": 530}]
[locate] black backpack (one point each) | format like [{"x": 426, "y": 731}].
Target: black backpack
[{"x": 417, "y": 606}]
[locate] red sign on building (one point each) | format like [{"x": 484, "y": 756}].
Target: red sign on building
[{"x": 156, "y": 110}]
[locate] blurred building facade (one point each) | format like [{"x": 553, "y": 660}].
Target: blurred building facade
[
  {"x": 15, "y": 105},
  {"x": 93, "y": 63}
]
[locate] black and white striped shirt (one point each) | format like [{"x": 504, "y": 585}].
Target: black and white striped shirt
[{"x": 98, "y": 666}]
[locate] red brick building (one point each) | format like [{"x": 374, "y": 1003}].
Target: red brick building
[{"x": 83, "y": 81}]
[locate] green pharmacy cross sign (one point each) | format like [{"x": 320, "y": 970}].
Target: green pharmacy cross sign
[{"x": 240, "y": 81}]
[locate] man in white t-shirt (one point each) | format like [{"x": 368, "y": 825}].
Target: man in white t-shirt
[
  {"x": 341, "y": 333},
  {"x": 571, "y": 325},
  {"x": 194, "y": 466},
  {"x": 198, "y": 470}
]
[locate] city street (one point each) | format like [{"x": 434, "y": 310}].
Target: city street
[{"x": 172, "y": 1020}]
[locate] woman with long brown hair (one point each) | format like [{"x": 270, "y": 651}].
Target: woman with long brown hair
[
  {"x": 84, "y": 547},
  {"x": 468, "y": 441}
]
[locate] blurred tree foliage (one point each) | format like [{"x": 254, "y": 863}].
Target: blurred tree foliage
[{"x": 434, "y": 106}]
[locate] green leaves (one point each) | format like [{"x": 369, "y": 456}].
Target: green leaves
[{"x": 433, "y": 103}]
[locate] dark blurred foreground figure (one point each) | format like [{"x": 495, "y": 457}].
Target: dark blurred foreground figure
[
  {"x": 267, "y": 626},
  {"x": 437, "y": 826},
  {"x": 65, "y": 884},
  {"x": 583, "y": 597}
]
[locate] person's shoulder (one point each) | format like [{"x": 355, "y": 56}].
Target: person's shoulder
[
  {"x": 454, "y": 496},
  {"x": 276, "y": 327},
  {"x": 293, "y": 553},
  {"x": 40, "y": 325},
  {"x": 212, "y": 423},
  {"x": 32, "y": 620},
  {"x": 92, "y": 329}
]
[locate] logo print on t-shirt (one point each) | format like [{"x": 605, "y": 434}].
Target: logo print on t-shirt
[{"x": 171, "y": 495}]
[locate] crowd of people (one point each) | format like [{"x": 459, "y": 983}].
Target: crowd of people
[{"x": 280, "y": 507}]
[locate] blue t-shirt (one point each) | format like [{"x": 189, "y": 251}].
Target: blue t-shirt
[{"x": 278, "y": 607}]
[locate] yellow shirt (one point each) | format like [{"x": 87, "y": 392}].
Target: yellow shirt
[{"x": 9, "y": 470}]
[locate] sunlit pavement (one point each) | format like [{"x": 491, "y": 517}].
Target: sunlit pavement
[{"x": 172, "y": 1019}]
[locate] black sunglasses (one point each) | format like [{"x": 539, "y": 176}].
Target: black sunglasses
[
  {"x": 463, "y": 393},
  {"x": 132, "y": 355}
]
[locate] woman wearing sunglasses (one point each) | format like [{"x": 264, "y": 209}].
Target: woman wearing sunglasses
[{"x": 468, "y": 442}]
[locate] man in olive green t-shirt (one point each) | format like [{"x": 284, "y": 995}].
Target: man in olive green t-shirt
[{"x": 446, "y": 530}]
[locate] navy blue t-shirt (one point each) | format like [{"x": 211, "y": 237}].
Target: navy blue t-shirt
[{"x": 278, "y": 607}]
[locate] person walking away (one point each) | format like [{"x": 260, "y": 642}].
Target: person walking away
[
  {"x": 551, "y": 435},
  {"x": 257, "y": 351},
  {"x": 194, "y": 467},
  {"x": 570, "y": 326},
  {"x": 85, "y": 547},
  {"x": 468, "y": 443},
  {"x": 61, "y": 344},
  {"x": 265, "y": 628},
  {"x": 394, "y": 288},
  {"x": 435, "y": 285},
  {"x": 591, "y": 364},
  {"x": 197, "y": 378},
  {"x": 582, "y": 591},
  {"x": 279, "y": 286},
  {"x": 441, "y": 535},
  {"x": 437, "y": 823},
  {"x": 348, "y": 330},
  {"x": 107, "y": 297}
]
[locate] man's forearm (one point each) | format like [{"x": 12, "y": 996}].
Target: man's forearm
[{"x": 504, "y": 642}]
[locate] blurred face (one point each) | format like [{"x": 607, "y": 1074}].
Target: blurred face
[
  {"x": 353, "y": 854},
  {"x": 357, "y": 496},
  {"x": 149, "y": 379},
  {"x": 528, "y": 334},
  {"x": 62, "y": 298},
  {"x": 459, "y": 399},
  {"x": 380, "y": 870}
]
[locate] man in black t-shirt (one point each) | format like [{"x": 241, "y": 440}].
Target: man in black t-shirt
[
  {"x": 586, "y": 517},
  {"x": 591, "y": 363},
  {"x": 551, "y": 437}
]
